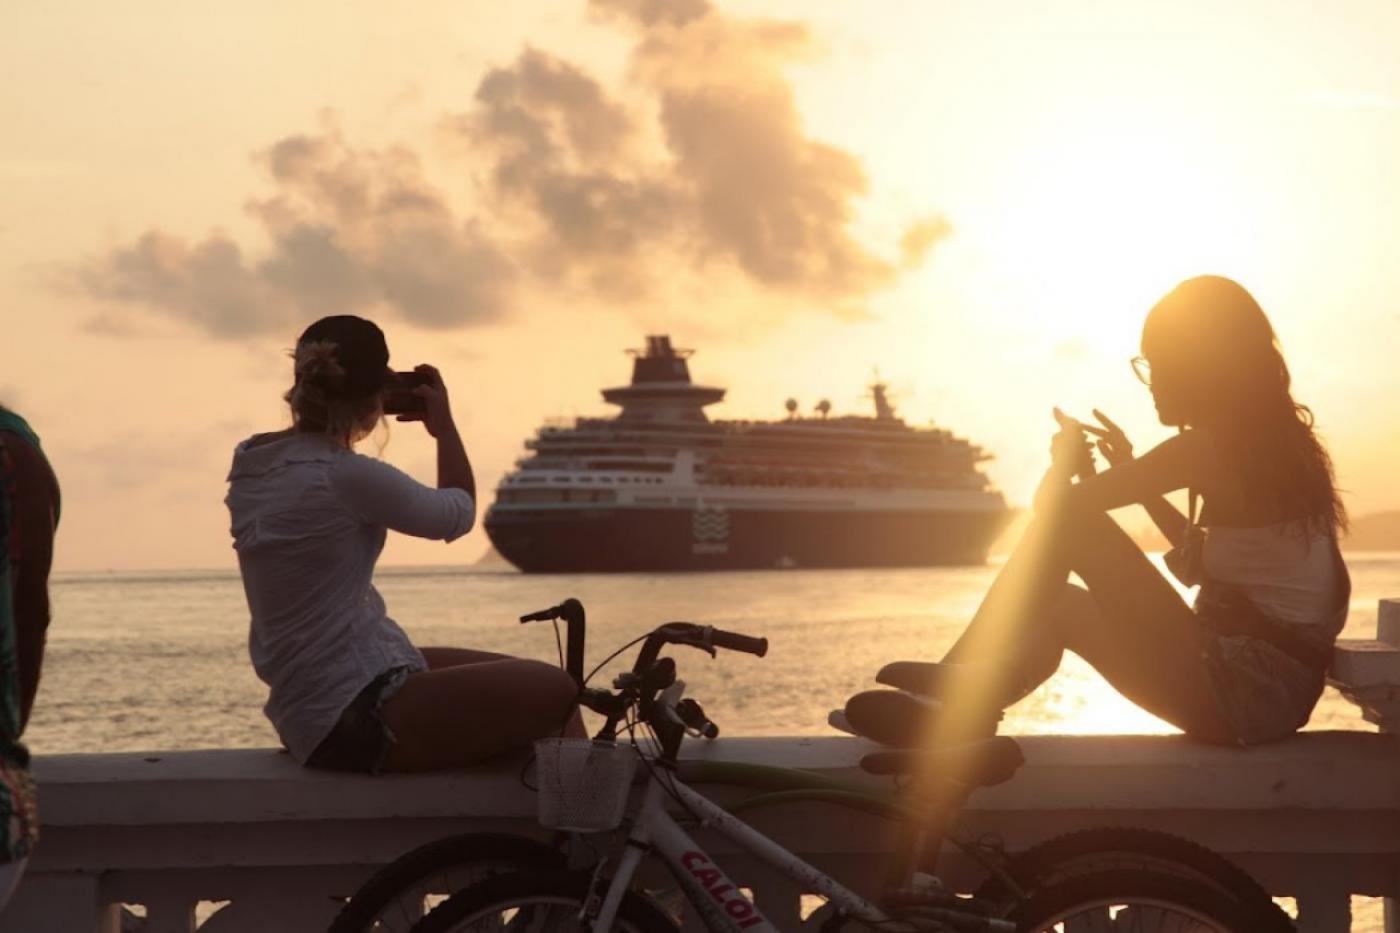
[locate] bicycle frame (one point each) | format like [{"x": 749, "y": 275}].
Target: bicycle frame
[{"x": 722, "y": 906}]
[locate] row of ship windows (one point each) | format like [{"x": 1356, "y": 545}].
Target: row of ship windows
[
  {"x": 556, "y": 495},
  {"x": 788, "y": 479},
  {"x": 588, "y": 479},
  {"x": 841, "y": 480},
  {"x": 569, "y": 463}
]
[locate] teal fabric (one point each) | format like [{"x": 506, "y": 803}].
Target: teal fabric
[
  {"x": 9, "y": 421},
  {"x": 19, "y": 824}
]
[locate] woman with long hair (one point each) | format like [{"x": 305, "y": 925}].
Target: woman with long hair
[
  {"x": 1246, "y": 662},
  {"x": 348, "y": 690}
]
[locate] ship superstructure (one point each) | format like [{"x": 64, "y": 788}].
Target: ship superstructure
[{"x": 662, "y": 487}]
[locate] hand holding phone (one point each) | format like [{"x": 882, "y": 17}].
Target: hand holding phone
[
  {"x": 1070, "y": 448},
  {"x": 400, "y": 396},
  {"x": 428, "y": 398},
  {"x": 1113, "y": 443}
]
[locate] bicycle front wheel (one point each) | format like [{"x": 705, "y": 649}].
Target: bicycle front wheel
[
  {"x": 1144, "y": 901},
  {"x": 531, "y": 901},
  {"x": 402, "y": 892}
]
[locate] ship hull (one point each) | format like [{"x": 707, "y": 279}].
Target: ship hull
[{"x": 617, "y": 540}]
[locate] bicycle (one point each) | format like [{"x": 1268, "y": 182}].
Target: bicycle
[{"x": 1148, "y": 879}]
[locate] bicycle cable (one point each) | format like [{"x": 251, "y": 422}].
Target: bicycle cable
[
  {"x": 604, "y": 663},
  {"x": 631, "y": 727},
  {"x": 667, "y": 779}
]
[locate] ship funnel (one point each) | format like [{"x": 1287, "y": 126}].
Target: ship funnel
[
  {"x": 659, "y": 362},
  {"x": 661, "y": 389}
]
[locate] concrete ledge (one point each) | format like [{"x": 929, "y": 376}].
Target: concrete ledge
[
  {"x": 1341, "y": 771},
  {"x": 1317, "y": 815}
]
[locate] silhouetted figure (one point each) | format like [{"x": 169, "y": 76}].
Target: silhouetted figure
[
  {"x": 1246, "y": 663},
  {"x": 348, "y": 690},
  {"x": 29, "y": 507}
]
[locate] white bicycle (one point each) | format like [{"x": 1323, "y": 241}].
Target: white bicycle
[{"x": 1135, "y": 881}]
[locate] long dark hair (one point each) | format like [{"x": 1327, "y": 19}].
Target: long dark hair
[{"x": 1217, "y": 344}]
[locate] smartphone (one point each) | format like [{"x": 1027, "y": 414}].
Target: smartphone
[{"x": 398, "y": 394}]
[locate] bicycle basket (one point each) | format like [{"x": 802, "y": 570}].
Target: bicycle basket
[{"x": 583, "y": 784}]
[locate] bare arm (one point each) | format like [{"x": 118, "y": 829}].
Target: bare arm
[
  {"x": 34, "y": 524},
  {"x": 454, "y": 469},
  {"x": 1113, "y": 443},
  {"x": 1173, "y": 464}
]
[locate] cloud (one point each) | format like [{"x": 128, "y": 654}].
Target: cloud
[
  {"x": 702, "y": 175},
  {"x": 920, "y": 237},
  {"x": 349, "y": 230},
  {"x": 122, "y": 465},
  {"x": 655, "y": 12}
]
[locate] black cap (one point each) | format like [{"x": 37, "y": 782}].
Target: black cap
[{"x": 359, "y": 349}]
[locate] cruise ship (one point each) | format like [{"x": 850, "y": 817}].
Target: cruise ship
[{"x": 660, "y": 486}]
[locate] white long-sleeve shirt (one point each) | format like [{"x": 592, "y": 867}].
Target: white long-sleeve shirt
[{"x": 308, "y": 522}]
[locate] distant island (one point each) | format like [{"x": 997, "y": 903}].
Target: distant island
[
  {"x": 1379, "y": 531},
  {"x": 492, "y": 558}
]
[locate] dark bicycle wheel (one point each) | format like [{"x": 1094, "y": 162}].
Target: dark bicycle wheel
[
  {"x": 1105, "y": 849},
  {"x": 399, "y": 894},
  {"x": 1141, "y": 900},
  {"x": 536, "y": 900}
]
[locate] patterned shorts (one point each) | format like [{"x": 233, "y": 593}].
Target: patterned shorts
[{"x": 360, "y": 740}]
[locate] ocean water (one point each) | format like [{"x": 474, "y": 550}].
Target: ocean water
[{"x": 155, "y": 661}]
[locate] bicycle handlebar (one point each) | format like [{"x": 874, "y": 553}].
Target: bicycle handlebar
[
  {"x": 704, "y": 637},
  {"x": 567, "y": 610},
  {"x": 734, "y": 641},
  {"x": 571, "y": 611}
]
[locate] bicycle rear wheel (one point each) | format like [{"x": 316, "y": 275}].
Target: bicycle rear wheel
[
  {"x": 1112, "y": 848},
  {"x": 1140, "y": 900},
  {"x": 399, "y": 894},
  {"x": 530, "y": 901}
]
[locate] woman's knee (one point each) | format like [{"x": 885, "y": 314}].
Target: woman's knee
[{"x": 551, "y": 690}]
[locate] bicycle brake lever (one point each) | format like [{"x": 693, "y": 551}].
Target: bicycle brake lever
[{"x": 704, "y": 640}]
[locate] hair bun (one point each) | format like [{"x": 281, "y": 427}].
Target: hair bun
[{"x": 317, "y": 363}]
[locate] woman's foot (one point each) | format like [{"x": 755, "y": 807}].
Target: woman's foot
[
  {"x": 939, "y": 680},
  {"x": 902, "y": 720}
]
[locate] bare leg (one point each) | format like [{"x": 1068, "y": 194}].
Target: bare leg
[
  {"x": 438, "y": 658},
  {"x": 454, "y": 716},
  {"x": 1144, "y": 639},
  {"x": 1132, "y": 626},
  {"x": 1015, "y": 641}
]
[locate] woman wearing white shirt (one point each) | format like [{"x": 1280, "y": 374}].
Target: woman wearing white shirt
[{"x": 348, "y": 690}]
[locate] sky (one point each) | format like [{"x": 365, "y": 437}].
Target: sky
[{"x": 980, "y": 200}]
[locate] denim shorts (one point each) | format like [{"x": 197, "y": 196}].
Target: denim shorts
[{"x": 360, "y": 740}]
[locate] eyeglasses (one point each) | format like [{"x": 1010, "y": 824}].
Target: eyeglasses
[{"x": 1142, "y": 369}]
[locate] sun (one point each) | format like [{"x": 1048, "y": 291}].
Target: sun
[{"x": 1102, "y": 218}]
